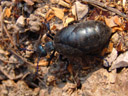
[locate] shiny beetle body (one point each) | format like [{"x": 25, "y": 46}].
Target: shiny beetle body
[{"x": 81, "y": 39}]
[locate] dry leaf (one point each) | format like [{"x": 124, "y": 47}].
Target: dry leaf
[
  {"x": 117, "y": 20},
  {"x": 50, "y": 17},
  {"x": 48, "y": 13},
  {"x": 7, "y": 12},
  {"x": 110, "y": 47},
  {"x": 110, "y": 22},
  {"x": 58, "y": 12},
  {"x": 42, "y": 62},
  {"x": 53, "y": 27},
  {"x": 121, "y": 61},
  {"x": 69, "y": 20},
  {"x": 120, "y": 47},
  {"x": 114, "y": 29},
  {"x": 110, "y": 57},
  {"x": 79, "y": 10},
  {"x": 62, "y": 3},
  {"x": 29, "y": 2}
]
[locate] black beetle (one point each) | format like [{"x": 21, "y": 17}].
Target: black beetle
[{"x": 87, "y": 38}]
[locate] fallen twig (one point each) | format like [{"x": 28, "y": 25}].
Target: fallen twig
[
  {"x": 10, "y": 38},
  {"x": 20, "y": 57},
  {"x": 93, "y": 2},
  {"x": 8, "y": 76}
]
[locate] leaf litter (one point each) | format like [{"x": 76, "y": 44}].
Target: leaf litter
[{"x": 24, "y": 21}]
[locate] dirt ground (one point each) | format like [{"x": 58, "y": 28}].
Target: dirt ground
[{"x": 28, "y": 25}]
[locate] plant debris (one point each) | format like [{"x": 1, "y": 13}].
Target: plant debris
[{"x": 26, "y": 24}]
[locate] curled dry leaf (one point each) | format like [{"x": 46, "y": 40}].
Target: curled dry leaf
[
  {"x": 68, "y": 20},
  {"x": 50, "y": 14},
  {"x": 114, "y": 29},
  {"x": 111, "y": 57},
  {"x": 58, "y": 12},
  {"x": 117, "y": 20},
  {"x": 79, "y": 10},
  {"x": 121, "y": 61},
  {"x": 110, "y": 22},
  {"x": 42, "y": 62},
  {"x": 113, "y": 21}
]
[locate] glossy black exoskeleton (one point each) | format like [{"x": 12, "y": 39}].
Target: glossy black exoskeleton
[
  {"x": 80, "y": 39},
  {"x": 87, "y": 38}
]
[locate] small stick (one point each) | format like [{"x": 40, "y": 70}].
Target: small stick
[
  {"x": 93, "y": 2},
  {"x": 6, "y": 61},
  {"x": 10, "y": 38},
  {"x": 10, "y": 50},
  {"x": 2, "y": 21}
]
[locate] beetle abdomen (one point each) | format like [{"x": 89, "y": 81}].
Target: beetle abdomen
[{"x": 83, "y": 38}]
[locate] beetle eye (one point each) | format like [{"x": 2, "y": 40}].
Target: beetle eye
[{"x": 49, "y": 46}]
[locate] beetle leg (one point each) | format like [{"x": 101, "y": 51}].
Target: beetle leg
[
  {"x": 37, "y": 67},
  {"x": 49, "y": 36},
  {"x": 106, "y": 63},
  {"x": 51, "y": 56},
  {"x": 65, "y": 59}
]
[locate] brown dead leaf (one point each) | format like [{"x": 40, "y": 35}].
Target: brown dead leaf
[
  {"x": 69, "y": 20},
  {"x": 42, "y": 62},
  {"x": 62, "y": 3},
  {"x": 58, "y": 12},
  {"x": 7, "y": 12},
  {"x": 50, "y": 17},
  {"x": 53, "y": 27},
  {"x": 117, "y": 20},
  {"x": 50, "y": 14},
  {"x": 120, "y": 47},
  {"x": 110, "y": 47},
  {"x": 79, "y": 10},
  {"x": 110, "y": 22},
  {"x": 121, "y": 61},
  {"x": 114, "y": 29},
  {"x": 107, "y": 50},
  {"x": 29, "y": 2},
  {"x": 126, "y": 26}
]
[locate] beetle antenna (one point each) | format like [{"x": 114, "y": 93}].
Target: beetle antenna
[{"x": 37, "y": 67}]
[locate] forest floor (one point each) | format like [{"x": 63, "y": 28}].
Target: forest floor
[{"x": 24, "y": 25}]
